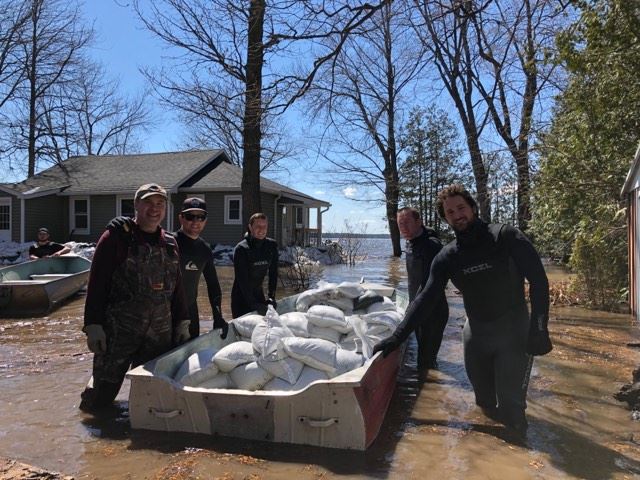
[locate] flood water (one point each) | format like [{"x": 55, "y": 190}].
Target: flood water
[{"x": 432, "y": 430}]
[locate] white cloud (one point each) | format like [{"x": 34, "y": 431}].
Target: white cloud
[
  {"x": 349, "y": 192},
  {"x": 319, "y": 192}
]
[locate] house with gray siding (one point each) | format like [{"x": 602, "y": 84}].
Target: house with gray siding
[{"x": 78, "y": 197}]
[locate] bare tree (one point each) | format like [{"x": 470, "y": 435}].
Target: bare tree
[
  {"x": 361, "y": 96},
  {"x": 55, "y": 37},
  {"x": 234, "y": 58},
  {"x": 13, "y": 17},
  {"x": 443, "y": 27},
  {"x": 89, "y": 116},
  {"x": 513, "y": 39}
]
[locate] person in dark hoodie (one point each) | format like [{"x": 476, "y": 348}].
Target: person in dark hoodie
[
  {"x": 253, "y": 258},
  {"x": 488, "y": 264},
  {"x": 422, "y": 245}
]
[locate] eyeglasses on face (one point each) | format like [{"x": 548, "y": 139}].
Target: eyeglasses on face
[{"x": 193, "y": 217}]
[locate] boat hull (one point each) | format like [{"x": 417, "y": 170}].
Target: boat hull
[
  {"x": 36, "y": 287},
  {"x": 345, "y": 412}
]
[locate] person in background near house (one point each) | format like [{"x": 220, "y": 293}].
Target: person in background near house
[
  {"x": 422, "y": 245},
  {"x": 135, "y": 308},
  {"x": 196, "y": 259},
  {"x": 254, "y": 257},
  {"x": 44, "y": 247},
  {"x": 488, "y": 264}
]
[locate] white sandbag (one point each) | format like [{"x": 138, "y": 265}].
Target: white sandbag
[
  {"x": 249, "y": 376},
  {"x": 384, "y": 306},
  {"x": 350, "y": 289},
  {"x": 376, "y": 329},
  {"x": 315, "y": 296},
  {"x": 325, "y": 333},
  {"x": 234, "y": 354},
  {"x": 328, "y": 317},
  {"x": 244, "y": 325},
  {"x": 306, "y": 378},
  {"x": 360, "y": 328},
  {"x": 315, "y": 352},
  {"x": 342, "y": 303},
  {"x": 346, "y": 361},
  {"x": 287, "y": 369},
  {"x": 351, "y": 343},
  {"x": 389, "y": 318},
  {"x": 197, "y": 368},
  {"x": 221, "y": 380},
  {"x": 297, "y": 322},
  {"x": 267, "y": 336}
]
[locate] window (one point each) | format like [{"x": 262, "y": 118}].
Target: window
[
  {"x": 232, "y": 210},
  {"x": 5, "y": 216},
  {"x": 299, "y": 220},
  {"x": 125, "y": 207},
  {"x": 80, "y": 215}
]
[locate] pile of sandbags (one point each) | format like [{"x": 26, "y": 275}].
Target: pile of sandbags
[{"x": 287, "y": 352}]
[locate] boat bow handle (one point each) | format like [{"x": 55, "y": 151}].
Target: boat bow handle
[
  {"x": 167, "y": 414},
  {"x": 318, "y": 423}
]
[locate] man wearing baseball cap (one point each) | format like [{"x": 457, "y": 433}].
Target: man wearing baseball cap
[
  {"x": 44, "y": 247},
  {"x": 135, "y": 308},
  {"x": 196, "y": 259}
]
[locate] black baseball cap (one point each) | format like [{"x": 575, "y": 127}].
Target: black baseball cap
[
  {"x": 43, "y": 229},
  {"x": 192, "y": 204}
]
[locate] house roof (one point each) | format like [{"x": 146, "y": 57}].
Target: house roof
[
  {"x": 202, "y": 171},
  {"x": 228, "y": 177},
  {"x": 633, "y": 178}
]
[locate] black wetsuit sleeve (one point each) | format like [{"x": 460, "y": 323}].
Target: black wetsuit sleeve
[
  {"x": 427, "y": 299},
  {"x": 530, "y": 266},
  {"x": 213, "y": 288},
  {"x": 273, "y": 272}
]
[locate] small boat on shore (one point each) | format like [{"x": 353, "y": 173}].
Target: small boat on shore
[
  {"x": 38, "y": 286},
  {"x": 344, "y": 412}
]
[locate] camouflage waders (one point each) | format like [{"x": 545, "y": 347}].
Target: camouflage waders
[{"x": 138, "y": 323}]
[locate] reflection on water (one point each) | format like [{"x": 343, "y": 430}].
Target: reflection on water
[{"x": 432, "y": 430}]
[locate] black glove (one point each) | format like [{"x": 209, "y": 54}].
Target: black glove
[
  {"x": 386, "y": 346},
  {"x": 121, "y": 225},
  {"x": 220, "y": 323},
  {"x": 539, "y": 342},
  {"x": 272, "y": 301}
]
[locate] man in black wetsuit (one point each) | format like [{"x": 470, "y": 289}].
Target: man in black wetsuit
[
  {"x": 421, "y": 247},
  {"x": 488, "y": 264},
  {"x": 196, "y": 259},
  {"x": 254, "y": 257}
]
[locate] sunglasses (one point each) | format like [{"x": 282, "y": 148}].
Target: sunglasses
[{"x": 192, "y": 217}]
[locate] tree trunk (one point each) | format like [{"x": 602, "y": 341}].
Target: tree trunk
[
  {"x": 31, "y": 147},
  {"x": 252, "y": 134}
]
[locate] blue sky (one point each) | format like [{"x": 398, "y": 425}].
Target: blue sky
[{"x": 123, "y": 47}]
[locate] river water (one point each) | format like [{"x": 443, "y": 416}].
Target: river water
[{"x": 432, "y": 429}]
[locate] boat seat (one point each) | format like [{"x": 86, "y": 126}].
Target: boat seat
[{"x": 49, "y": 276}]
